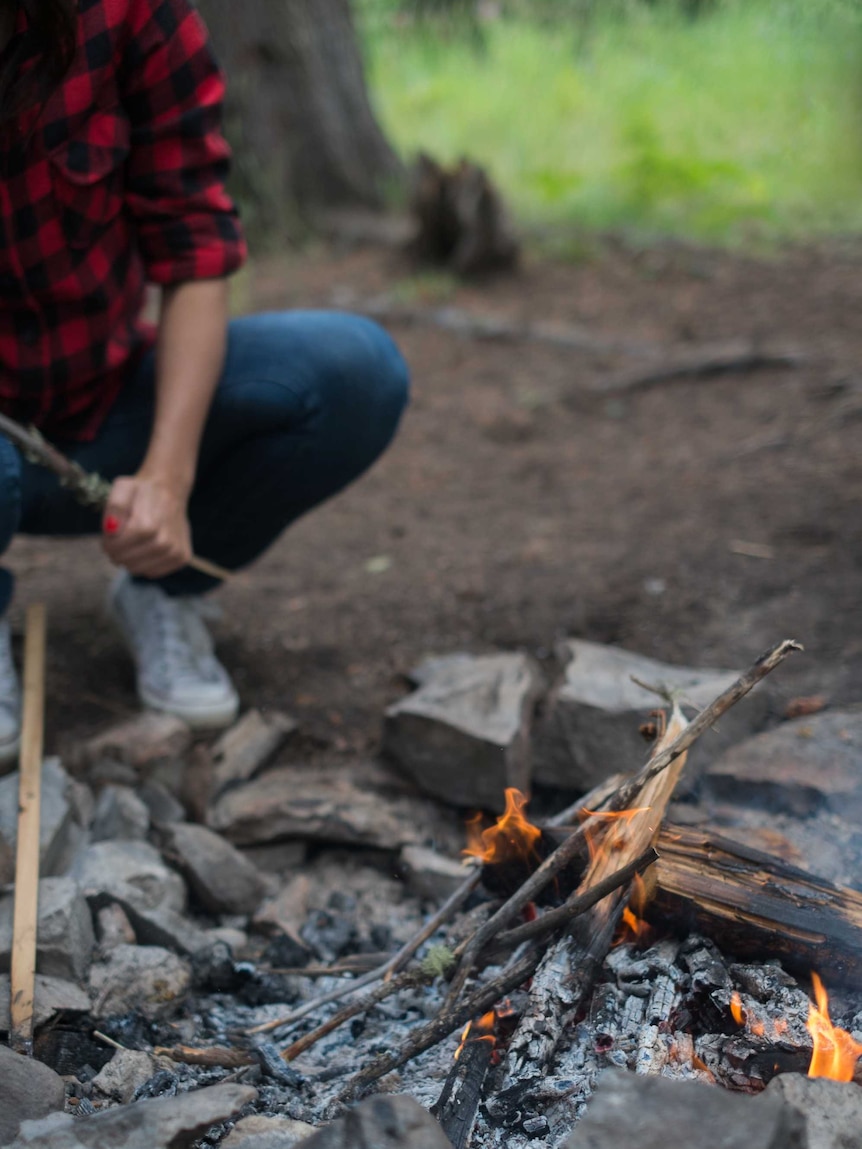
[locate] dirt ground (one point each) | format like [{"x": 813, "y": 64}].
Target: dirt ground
[{"x": 510, "y": 512}]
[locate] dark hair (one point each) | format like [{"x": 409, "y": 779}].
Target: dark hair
[{"x": 53, "y": 34}]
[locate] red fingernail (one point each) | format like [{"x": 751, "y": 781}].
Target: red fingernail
[{"x": 112, "y": 525}]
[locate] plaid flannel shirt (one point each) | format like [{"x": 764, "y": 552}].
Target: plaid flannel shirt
[{"x": 116, "y": 180}]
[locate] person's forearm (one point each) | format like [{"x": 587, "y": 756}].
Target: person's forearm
[{"x": 189, "y": 358}]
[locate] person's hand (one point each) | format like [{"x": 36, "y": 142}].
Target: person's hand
[{"x": 145, "y": 527}]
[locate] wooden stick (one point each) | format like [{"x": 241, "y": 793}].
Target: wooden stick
[
  {"x": 26, "y": 914},
  {"x": 89, "y": 489}
]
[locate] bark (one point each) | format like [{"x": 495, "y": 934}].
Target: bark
[
  {"x": 753, "y": 904},
  {"x": 298, "y": 113}
]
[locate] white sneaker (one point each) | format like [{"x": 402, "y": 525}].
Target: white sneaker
[
  {"x": 173, "y": 652},
  {"x": 10, "y": 700}
]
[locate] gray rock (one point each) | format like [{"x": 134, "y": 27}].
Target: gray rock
[
  {"x": 832, "y": 1110},
  {"x": 120, "y": 814},
  {"x": 464, "y": 735},
  {"x": 59, "y": 833},
  {"x": 259, "y": 1132},
  {"x": 659, "y": 1113},
  {"x": 591, "y": 725},
  {"x": 127, "y": 1071},
  {"x": 382, "y": 1122},
  {"x": 128, "y": 872},
  {"x": 65, "y": 938},
  {"x": 803, "y": 767},
  {"x": 429, "y": 874},
  {"x": 222, "y": 880},
  {"x": 167, "y": 928},
  {"x": 53, "y": 995},
  {"x": 244, "y": 749},
  {"x": 164, "y": 1123},
  {"x": 363, "y": 804},
  {"x": 28, "y": 1090},
  {"x": 276, "y": 857},
  {"x": 114, "y": 928},
  {"x": 148, "y": 979},
  {"x": 164, "y": 809},
  {"x": 141, "y": 742}
]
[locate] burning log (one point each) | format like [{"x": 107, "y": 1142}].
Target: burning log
[
  {"x": 755, "y": 904},
  {"x": 459, "y": 1100}
]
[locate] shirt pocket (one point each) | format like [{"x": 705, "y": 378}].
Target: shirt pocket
[{"x": 88, "y": 175}]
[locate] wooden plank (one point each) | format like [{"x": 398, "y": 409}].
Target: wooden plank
[{"x": 23, "y": 966}]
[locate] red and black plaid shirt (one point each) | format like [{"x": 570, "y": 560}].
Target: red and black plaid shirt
[{"x": 117, "y": 180}]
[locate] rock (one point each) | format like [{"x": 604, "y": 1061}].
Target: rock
[
  {"x": 277, "y": 858},
  {"x": 128, "y": 872},
  {"x": 113, "y": 928},
  {"x": 59, "y": 833},
  {"x": 286, "y": 912},
  {"x": 645, "y": 1112},
  {"x": 163, "y": 807},
  {"x": 147, "y": 979},
  {"x": 53, "y": 995},
  {"x": 169, "y": 929},
  {"x": 65, "y": 938},
  {"x": 222, "y": 880},
  {"x": 591, "y": 725},
  {"x": 464, "y": 735},
  {"x": 258, "y": 1132},
  {"x": 801, "y": 768},
  {"x": 120, "y": 813},
  {"x": 163, "y": 1123},
  {"x": 361, "y": 804},
  {"x": 382, "y": 1122},
  {"x": 247, "y": 747},
  {"x": 28, "y": 1090},
  {"x": 236, "y": 940},
  {"x": 127, "y": 1071},
  {"x": 429, "y": 874},
  {"x": 832, "y": 1110},
  {"x": 141, "y": 742}
]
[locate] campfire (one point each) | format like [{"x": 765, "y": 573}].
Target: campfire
[{"x": 603, "y": 937}]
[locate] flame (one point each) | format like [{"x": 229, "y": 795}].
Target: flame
[
  {"x": 484, "y": 1032},
  {"x": 736, "y": 1009},
  {"x": 835, "y": 1052},
  {"x": 512, "y": 836},
  {"x": 633, "y": 927},
  {"x": 615, "y": 834}
]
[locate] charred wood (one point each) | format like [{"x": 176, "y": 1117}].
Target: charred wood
[{"x": 756, "y": 905}]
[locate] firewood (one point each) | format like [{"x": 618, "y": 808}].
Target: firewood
[{"x": 754, "y": 904}]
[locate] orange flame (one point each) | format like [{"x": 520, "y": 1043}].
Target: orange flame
[
  {"x": 736, "y": 1009},
  {"x": 512, "y": 836},
  {"x": 614, "y": 835},
  {"x": 835, "y": 1052},
  {"x": 484, "y": 1032},
  {"x": 633, "y": 927}
]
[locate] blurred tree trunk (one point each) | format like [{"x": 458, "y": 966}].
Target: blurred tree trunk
[{"x": 298, "y": 114}]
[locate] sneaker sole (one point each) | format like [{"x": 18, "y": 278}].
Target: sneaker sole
[{"x": 214, "y": 717}]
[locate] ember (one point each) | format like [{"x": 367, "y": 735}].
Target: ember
[
  {"x": 511, "y": 837},
  {"x": 835, "y": 1052}
]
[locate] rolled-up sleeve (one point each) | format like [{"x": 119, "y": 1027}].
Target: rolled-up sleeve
[{"x": 173, "y": 91}]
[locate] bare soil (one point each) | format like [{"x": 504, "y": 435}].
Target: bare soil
[{"x": 511, "y": 512}]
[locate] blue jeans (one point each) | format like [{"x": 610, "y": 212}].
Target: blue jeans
[{"x": 306, "y": 402}]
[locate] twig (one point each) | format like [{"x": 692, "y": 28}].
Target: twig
[
  {"x": 387, "y": 989},
  {"x": 214, "y": 1055},
  {"x": 26, "y": 911},
  {"x": 103, "y": 1037},
  {"x": 720, "y": 359},
  {"x": 90, "y": 489},
  {"x": 577, "y": 904},
  {"x": 478, "y": 1002}
]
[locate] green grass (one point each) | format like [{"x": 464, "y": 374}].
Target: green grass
[{"x": 743, "y": 124}]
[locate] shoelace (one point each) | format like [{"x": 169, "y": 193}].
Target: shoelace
[{"x": 177, "y": 640}]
